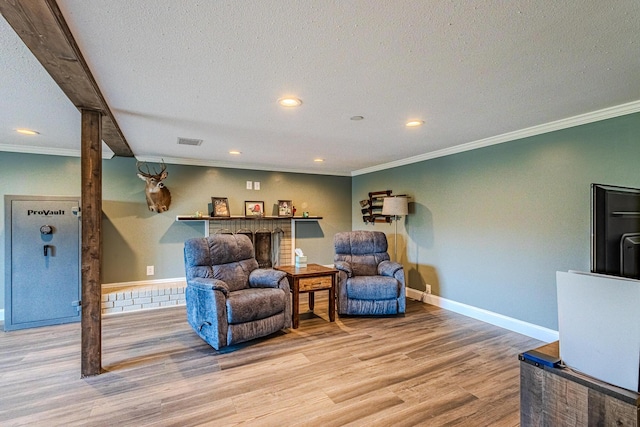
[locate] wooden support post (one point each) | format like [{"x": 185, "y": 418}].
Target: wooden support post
[{"x": 91, "y": 171}]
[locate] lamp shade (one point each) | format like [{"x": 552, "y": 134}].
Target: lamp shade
[{"x": 395, "y": 206}]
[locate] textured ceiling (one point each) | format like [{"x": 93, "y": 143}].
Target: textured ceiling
[{"x": 213, "y": 70}]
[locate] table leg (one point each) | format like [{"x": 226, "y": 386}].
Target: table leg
[
  {"x": 296, "y": 305},
  {"x": 312, "y": 300},
  {"x": 332, "y": 300}
]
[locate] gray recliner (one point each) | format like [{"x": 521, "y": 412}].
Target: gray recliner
[
  {"x": 368, "y": 282},
  {"x": 229, "y": 299}
]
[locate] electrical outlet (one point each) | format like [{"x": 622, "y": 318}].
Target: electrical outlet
[
  {"x": 249, "y": 185},
  {"x": 427, "y": 288},
  {"x": 256, "y": 185},
  {"x": 150, "y": 270}
]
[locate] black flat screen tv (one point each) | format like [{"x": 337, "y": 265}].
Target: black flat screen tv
[{"x": 615, "y": 230}]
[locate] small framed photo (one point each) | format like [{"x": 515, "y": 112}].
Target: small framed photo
[
  {"x": 253, "y": 208},
  {"x": 220, "y": 207},
  {"x": 285, "y": 208}
]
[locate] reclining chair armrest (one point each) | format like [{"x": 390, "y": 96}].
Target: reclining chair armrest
[
  {"x": 209, "y": 284},
  {"x": 206, "y": 309},
  {"x": 388, "y": 268},
  {"x": 266, "y": 278},
  {"x": 344, "y": 266}
]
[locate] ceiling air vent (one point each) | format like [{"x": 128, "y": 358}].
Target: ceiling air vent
[{"x": 189, "y": 141}]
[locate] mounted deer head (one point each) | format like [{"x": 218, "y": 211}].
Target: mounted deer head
[{"x": 158, "y": 196}]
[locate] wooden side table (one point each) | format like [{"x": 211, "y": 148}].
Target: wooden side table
[{"x": 309, "y": 279}]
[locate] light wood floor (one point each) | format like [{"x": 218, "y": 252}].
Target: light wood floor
[{"x": 430, "y": 367}]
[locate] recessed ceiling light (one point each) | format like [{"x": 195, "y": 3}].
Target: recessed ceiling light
[
  {"x": 318, "y": 160},
  {"x": 235, "y": 152},
  {"x": 290, "y": 102},
  {"x": 27, "y": 132},
  {"x": 414, "y": 123}
]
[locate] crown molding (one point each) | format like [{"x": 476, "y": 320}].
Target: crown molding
[
  {"x": 595, "y": 116},
  {"x": 108, "y": 154},
  {"x": 218, "y": 164},
  {"x": 582, "y": 119},
  {"x": 48, "y": 151}
]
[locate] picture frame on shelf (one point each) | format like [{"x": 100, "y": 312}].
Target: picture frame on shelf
[
  {"x": 285, "y": 208},
  {"x": 253, "y": 208},
  {"x": 220, "y": 207}
]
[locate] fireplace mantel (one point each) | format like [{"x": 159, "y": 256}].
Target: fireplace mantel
[{"x": 234, "y": 223}]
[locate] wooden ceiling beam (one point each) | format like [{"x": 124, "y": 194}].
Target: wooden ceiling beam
[{"x": 41, "y": 26}]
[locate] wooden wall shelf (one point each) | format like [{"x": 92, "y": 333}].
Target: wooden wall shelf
[
  {"x": 245, "y": 218},
  {"x": 371, "y": 209}
]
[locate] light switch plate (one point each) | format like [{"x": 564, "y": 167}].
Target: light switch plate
[
  {"x": 256, "y": 185},
  {"x": 249, "y": 185}
]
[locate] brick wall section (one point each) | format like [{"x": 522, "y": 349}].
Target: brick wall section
[
  {"x": 284, "y": 224},
  {"x": 142, "y": 297}
]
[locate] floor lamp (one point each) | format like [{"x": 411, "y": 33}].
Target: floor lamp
[{"x": 395, "y": 206}]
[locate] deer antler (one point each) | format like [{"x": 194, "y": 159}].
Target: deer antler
[{"x": 146, "y": 174}]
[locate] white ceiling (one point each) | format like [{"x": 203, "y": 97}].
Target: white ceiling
[{"x": 213, "y": 70}]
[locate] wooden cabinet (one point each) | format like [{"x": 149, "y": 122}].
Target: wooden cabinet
[{"x": 562, "y": 397}]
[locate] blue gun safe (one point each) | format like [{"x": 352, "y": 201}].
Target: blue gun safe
[{"x": 42, "y": 261}]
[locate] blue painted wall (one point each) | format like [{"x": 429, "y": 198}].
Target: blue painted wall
[
  {"x": 490, "y": 227},
  {"x": 133, "y": 237}
]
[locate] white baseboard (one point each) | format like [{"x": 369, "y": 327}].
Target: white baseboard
[
  {"x": 143, "y": 283},
  {"x": 515, "y": 325}
]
